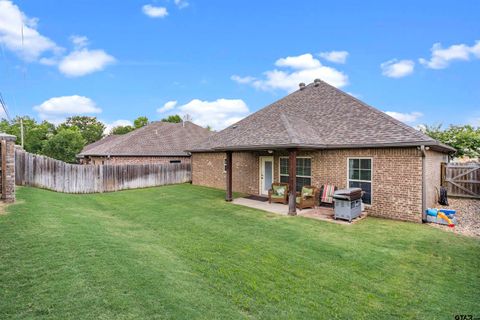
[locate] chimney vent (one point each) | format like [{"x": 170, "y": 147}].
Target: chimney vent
[
  {"x": 316, "y": 82},
  {"x": 301, "y": 85}
]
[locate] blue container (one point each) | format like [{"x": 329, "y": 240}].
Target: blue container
[
  {"x": 448, "y": 212},
  {"x": 432, "y": 212}
]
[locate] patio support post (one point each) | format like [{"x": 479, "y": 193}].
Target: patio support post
[
  {"x": 292, "y": 182},
  {"x": 228, "y": 196}
]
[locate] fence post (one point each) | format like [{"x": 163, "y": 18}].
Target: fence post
[{"x": 8, "y": 167}]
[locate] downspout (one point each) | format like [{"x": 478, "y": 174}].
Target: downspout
[{"x": 424, "y": 185}]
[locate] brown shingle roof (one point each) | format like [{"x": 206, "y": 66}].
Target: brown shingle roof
[
  {"x": 319, "y": 116},
  {"x": 155, "y": 139}
]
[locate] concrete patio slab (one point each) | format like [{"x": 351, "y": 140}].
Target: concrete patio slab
[
  {"x": 319, "y": 213},
  {"x": 264, "y": 205}
]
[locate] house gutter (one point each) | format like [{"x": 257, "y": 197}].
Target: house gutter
[
  {"x": 424, "y": 184},
  {"x": 432, "y": 145}
]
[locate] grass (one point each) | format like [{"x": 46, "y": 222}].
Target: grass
[{"x": 181, "y": 252}]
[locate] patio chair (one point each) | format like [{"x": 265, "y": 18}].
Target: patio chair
[
  {"x": 307, "y": 197},
  {"x": 278, "y": 193},
  {"x": 326, "y": 195}
]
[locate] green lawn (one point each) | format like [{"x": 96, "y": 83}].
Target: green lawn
[{"x": 181, "y": 252}]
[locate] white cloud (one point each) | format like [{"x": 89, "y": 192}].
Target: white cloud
[
  {"x": 397, "y": 69},
  {"x": 57, "y": 108},
  {"x": 79, "y": 41},
  {"x": 303, "y": 68},
  {"x": 181, "y": 4},
  {"x": 167, "y": 106},
  {"x": 405, "y": 117},
  {"x": 335, "y": 56},
  {"x": 476, "y": 49},
  {"x": 110, "y": 125},
  {"x": 441, "y": 57},
  {"x": 304, "y": 61},
  {"x": 242, "y": 80},
  {"x": 84, "y": 61},
  {"x": 154, "y": 12},
  {"x": 218, "y": 114},
  {"x": 33, "y": 45}
]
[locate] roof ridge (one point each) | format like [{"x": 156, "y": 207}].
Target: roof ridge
[{"x": 289, "y": 128}]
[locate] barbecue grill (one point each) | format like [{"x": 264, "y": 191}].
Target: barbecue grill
[{"x": 348, "y": 203}]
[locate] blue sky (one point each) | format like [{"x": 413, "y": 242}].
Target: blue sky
[{"x": 221, "y": 60}]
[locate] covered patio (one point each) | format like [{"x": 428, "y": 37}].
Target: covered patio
[{"x": 292, "y": 183}]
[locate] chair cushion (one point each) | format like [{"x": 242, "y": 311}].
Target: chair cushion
[
  {"x": 327, "y": 194},
  {"x": 277, "y": 196},
  {"x": 279, "y": 190},
  {"x": 298, "y": 199},
  {"x": 307, "y": 192}
]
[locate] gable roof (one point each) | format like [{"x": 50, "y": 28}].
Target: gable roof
[
  {"x": 155, "y": 139},
  {"x": 319, "y": 116}
]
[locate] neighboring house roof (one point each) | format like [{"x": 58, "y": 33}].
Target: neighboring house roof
[
  {"x": 155, "y": 139},
  {"x": 319, "y": 116},
  {"x": 99, "y": 142}
]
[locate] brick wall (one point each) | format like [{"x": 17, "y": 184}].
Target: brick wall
[
  {"x": 396, "y": 179},
  {"x": 133, "y": 160},
  {"x": 208, "y": 170},
  {"x": 433, "y": 160},
  {"x": 8, "y": 167}
]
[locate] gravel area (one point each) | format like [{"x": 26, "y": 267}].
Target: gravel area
[{"x": 468, "y": 216}]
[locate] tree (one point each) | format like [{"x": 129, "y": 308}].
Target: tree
[
  {"x": 90, "y": 128},
  {"x": 466, "y": 138},
  {"x": 174, "y": 119},
  {"x": 37, "y": 136},
  {"x": 121, "y": 129},
  {"x": 65, "y": 145},
  {"x": 34, "y": 134},
  {"x": 140, "y": 122}
]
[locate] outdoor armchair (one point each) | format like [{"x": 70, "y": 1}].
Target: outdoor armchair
[
  {"x": 278, "y": 193},
  {"x": 307, "y": 197}
]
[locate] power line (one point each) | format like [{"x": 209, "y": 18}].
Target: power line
[{"x": 4, "y": 107}]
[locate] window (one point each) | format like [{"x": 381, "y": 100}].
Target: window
[
  {"x": 304, "y": 171},
  {"x": 360, "y": 176},
  {"x": 175, "y": 161},
  {"x": 225, "y": 165}
]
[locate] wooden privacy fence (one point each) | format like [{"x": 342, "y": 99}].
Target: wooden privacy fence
[
  {"x": 462, "y": 179},
  {"x": 43, "y": 172}
]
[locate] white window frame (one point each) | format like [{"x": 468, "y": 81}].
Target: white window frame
[
  {"x": 354, "y": 180},
  {"x": 286, "y": 175},
  {"x": 225, "y": 165}
]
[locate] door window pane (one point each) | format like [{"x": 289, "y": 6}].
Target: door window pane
[{"x": 268, "y": 177}]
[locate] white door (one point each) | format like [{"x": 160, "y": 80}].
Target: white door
[{"x": 266, "y": 174}]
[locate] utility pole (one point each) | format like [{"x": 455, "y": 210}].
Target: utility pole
[{"x": 21, "y": 130}]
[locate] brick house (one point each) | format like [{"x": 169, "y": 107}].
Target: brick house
[
  {"x": 320, "y": 135},
  {"x": 156, "y": 143}
]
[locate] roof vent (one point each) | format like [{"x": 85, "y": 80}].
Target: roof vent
[
  {"x": 301, "y": 85},
  {"x": 316, "y": 82}
]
